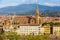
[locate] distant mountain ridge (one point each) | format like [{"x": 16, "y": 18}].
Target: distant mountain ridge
[{"x": 28, "y": 9}]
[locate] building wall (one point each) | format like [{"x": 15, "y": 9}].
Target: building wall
[
  {"x": 46, "y": 29},
  {"x": 28, "y": 30},
  {"x": 42, "y": 30},
  {"x": 56, "y": 30}
]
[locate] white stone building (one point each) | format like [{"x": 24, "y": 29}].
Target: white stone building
[{"x": 29, "y": 30}]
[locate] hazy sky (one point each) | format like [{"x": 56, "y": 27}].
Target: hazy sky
[{"x": 4, "y": 3}]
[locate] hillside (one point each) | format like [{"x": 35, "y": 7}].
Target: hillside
[{"x": 27, "y": 9}]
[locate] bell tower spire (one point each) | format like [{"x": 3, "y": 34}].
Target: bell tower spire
[
  {"x": 37, "y": 14},
  {"x": 37, "y": 10}
]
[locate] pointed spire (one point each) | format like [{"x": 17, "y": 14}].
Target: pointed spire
[
  {"x": 37, "y": 14},
  {"x": 37, "y": 10}
]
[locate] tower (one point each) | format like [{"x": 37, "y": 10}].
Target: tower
[{"x": 37, "y": 15}]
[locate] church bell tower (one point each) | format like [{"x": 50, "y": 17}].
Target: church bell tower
[{"x": 37, "y": 15}]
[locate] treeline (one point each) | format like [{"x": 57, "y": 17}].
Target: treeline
[{"x": 14, "y": 36}]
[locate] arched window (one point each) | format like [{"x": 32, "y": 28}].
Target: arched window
[{"x": 32, "y": 21}]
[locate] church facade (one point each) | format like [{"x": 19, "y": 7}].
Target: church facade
[{"x": 28, "y": 20}]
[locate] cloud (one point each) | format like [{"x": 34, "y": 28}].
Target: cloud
[
  {"x": 15, "y": 2},
  {"x": 29, "y": 1},
  {"x": 51, "y": 4},
  {"x": 4, "y": 5}
]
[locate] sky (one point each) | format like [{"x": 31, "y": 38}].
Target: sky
[{"x": 5, "y": 3}]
